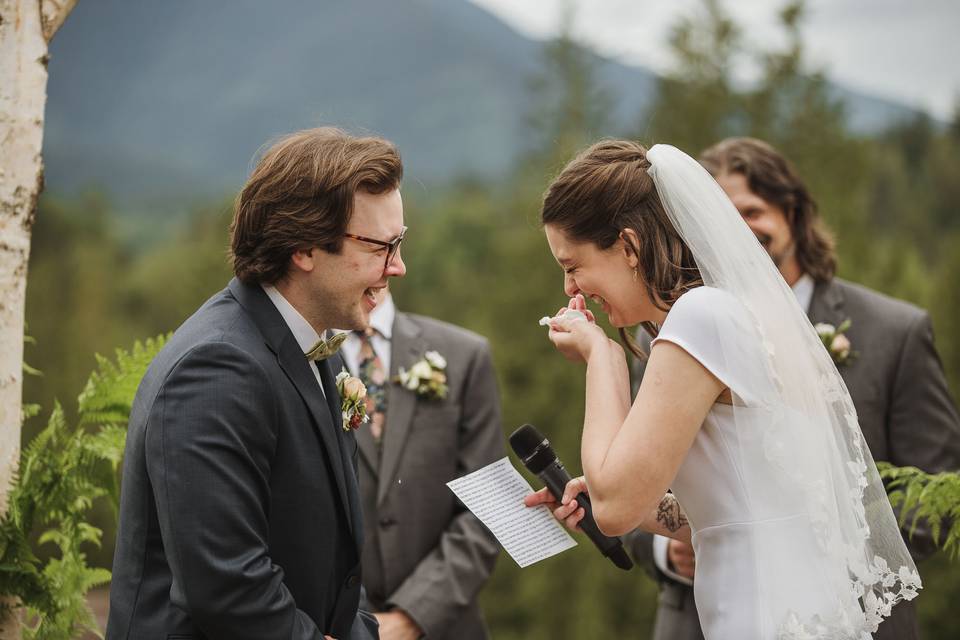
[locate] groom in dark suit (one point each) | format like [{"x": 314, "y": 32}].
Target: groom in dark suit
[
  {"x": 425, "y": 556},
  {"x": 240, "y": 514},
  {"x": 895, "y": 377}
]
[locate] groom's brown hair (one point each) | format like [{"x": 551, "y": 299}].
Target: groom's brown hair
[
  {"x": 772, "y": 177},
  {"x": 300, "y": 195}
]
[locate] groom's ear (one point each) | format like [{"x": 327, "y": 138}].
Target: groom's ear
[
  {"x": 302, "y": 260},
  {"x": 630, "y": 243}
]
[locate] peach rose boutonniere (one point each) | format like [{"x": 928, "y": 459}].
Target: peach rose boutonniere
[
  {"x": 427, "y": 377},
  {"x": 353, "y": 408},
  {"x": 837, "y": 344}
]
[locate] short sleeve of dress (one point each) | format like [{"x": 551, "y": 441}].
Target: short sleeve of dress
[{"x": 718, "y": 331}]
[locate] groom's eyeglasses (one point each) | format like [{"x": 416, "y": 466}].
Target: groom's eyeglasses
[{"x": 392, "y": 246}]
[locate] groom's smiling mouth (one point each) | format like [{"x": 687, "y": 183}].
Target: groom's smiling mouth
[{"x": 370, "y": 296}]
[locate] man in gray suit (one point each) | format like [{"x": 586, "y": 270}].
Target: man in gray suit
[
  {"x": 895, "y": 377},
  {"x": 425, "y": 557},
  {"x": 240, "y": 513}
]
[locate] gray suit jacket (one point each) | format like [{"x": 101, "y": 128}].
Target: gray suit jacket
[
  {"x": 906, "y": 414},
  {"x": 239, "y": 509},
  {"x": 423, "y": 551}
]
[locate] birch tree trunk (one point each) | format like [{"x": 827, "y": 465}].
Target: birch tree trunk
[{"x": 26, "y": 27}]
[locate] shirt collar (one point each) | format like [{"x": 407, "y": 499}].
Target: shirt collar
[
  {"x": 381, "y": 318},
  {"x": 305, "y": 335},
  {"x": 803, "y": 289}
]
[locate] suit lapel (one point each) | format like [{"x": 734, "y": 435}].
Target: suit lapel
[
  {"x": 299, "y": 370},
  {"x": 826, "y": 305},
  {"x": 346, "y": 442},
  {"x": 406, "y": 347},
  {"x": 368, "y": 448}
]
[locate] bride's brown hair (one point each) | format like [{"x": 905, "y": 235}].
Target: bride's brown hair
[{"x": 607, "y": 189}]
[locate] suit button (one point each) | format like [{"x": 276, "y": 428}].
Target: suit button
[
  {"x": 353, "y": 581},
  {"x": 387, "y": 521}
]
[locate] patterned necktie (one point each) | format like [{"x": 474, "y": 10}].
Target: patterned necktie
[
  {"x": 323, "y": 349},
  {"x": 374, "y": 377}
]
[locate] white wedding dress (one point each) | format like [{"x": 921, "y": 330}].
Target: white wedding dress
[
  {"x": 737, "y": 597},
  {"x": 794, "y": 534}
]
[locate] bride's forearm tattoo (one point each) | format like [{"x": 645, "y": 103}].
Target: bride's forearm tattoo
[{"x": 669, "y": 513}]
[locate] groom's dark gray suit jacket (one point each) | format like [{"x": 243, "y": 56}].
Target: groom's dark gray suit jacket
[
  {"x": 906, "y": 414},
  {"x": 239, "y": 511}
]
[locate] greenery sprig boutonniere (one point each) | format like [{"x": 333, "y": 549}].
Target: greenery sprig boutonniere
[
  {"x": 837, "y": 344},
  {"x": 427, "y": 377},
  {"x": 353, "y": 405}
]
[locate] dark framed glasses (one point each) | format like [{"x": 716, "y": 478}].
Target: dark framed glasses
[{"x": 392, "y": 246}]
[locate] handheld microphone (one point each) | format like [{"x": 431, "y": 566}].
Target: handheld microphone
[{"x": 538, "y": 456}]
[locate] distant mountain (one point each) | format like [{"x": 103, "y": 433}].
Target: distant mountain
[{"x": 172, "y": 99}]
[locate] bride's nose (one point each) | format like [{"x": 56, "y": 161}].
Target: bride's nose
[{"x": 570, "y": 286}]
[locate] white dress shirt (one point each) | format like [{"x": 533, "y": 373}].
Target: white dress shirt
[
  {"x": 803, "y": 289},
  {"x": 381, "y": 319},
  {"x": 303, "y": 332}
]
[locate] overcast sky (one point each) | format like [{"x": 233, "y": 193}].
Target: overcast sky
[{"x": 908, "y": 50}]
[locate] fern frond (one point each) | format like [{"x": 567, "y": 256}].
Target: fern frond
[
  {"x": 107, "y": 444},
  {"x": 30, "y": 371},
  {"x": 27, "y": 369},
  {"x": 28, "y": 411},
  {"x": 108, "y": 394},
  {"x": 62, "y": 472},
  {"x": 932, "y": 498}
]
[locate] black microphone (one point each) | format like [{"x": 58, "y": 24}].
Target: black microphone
[{"x": 538, "y": 456}]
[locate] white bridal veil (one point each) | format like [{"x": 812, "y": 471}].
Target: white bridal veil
[{"x": 811, "y": 449}]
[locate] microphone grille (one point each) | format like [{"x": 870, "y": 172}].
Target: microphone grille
[{"x": 525, "y": 441}]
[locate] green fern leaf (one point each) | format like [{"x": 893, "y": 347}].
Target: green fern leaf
[
  {"x": 62, "y": 472},
  {"x": 108, "y": 394}
]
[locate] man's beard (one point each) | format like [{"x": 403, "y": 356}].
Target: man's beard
[{"x": 778, "y": 257}]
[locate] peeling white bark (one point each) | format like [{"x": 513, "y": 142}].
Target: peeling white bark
[
  {"x": 52, "y": 14},
  {"x": 26, "y": 27}
]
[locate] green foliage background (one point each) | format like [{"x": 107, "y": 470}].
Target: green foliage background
[
  {"x": 476, "y": 256},
  {"x": 45, "y": 532}
]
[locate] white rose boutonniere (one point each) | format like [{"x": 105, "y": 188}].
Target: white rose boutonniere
[
  {"x": 427, "y": 377},
  {"x": 837, "y": 344},
  {"x": 353, "y": 406}
]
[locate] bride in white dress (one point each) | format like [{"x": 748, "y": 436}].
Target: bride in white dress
[{"x": 741, "y": 414}]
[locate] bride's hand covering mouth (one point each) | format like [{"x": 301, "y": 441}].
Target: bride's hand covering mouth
[{"x": 574, "y": 330}]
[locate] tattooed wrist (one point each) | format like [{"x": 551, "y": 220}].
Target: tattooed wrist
[{"x": 670, "y": 515}]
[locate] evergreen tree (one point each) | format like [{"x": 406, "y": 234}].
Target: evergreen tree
[
  {"x": 570, "y": 109},
  {"x": 696, "y": 104}
]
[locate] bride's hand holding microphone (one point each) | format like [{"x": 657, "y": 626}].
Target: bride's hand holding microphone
[{"x": 567, "y": 511}]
